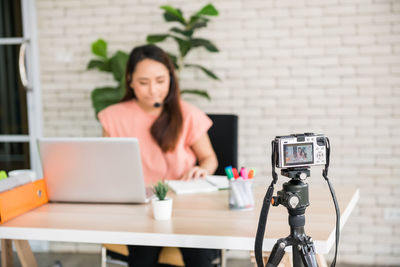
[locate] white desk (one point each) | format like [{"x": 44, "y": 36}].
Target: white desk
[{"x": 201, "y": 221}]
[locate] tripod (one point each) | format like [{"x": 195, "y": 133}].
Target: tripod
[{"x": 294, "y": 196}]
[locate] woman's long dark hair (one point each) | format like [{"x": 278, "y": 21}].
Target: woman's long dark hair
[{"x": 167, "y": 127}]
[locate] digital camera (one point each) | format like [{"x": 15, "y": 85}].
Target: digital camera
[{"x": 300, "y": 150}]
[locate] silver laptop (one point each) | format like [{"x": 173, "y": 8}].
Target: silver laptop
[{"x": 103, "y": 170}]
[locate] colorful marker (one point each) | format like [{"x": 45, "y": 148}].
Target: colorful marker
[
  {"x": 228, "y": 172},
  {"x": 235, "y": 173},
  {"x": 251, "y": 174},
  {"x": 243, "y": 173}
]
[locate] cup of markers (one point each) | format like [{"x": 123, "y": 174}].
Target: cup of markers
[{"x": 240, "y": 188}]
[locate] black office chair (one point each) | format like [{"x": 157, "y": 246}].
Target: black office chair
[{"x": 224, "y": 139}]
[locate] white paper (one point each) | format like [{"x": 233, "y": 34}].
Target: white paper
[
  {"x": 220, "y": 181},
  {"x": 192, "y": 186}
]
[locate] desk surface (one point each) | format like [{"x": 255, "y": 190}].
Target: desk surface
[{"x": 201, "y": 220}]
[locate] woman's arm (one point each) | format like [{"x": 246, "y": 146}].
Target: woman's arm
[{"x": 206, "y": 157}]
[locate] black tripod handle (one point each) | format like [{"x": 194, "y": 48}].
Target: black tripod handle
[{"x": 277, "y": 253}]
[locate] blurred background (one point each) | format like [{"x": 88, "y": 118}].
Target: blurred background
[{"x": 323, "y": 66}]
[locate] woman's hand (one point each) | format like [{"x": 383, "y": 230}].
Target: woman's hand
[
  {"x": 194, "y": 173},
  {"x": 206, "y": 158}
]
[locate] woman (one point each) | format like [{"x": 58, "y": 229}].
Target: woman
[{"x": 172, "y": 134}]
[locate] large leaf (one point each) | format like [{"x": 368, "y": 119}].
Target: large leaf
[
  {"x": 199, "y": 92},
  {"x": 208, "y": 10},
  {"x": 205, "y": 70},
  {"x": 104, "y": 97},
  {"x": 99, "y": 48},
  {"x": 122, "y": 88},
  {"x": 196, "y": 42},
  {"x": 99, "y": 64},
  {"x": 118, "y": 65},
  {"x": 187, "y": 33},
  {"x": 184, "y": 46},
  {"x": 198, "y": 23},
  {"x": 155, "y": 38},
  {"x": 173, "y": 14}
]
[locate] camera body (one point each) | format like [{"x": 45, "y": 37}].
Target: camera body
[{"x": 300, "y": 150}]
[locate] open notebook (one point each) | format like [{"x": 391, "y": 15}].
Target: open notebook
[{"x": 210, "y": 184}]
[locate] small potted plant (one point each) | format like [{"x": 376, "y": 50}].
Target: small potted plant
[{"x": 162, "y": 205}]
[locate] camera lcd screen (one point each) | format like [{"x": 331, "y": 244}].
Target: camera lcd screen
[{"x": 299, "y": 154}]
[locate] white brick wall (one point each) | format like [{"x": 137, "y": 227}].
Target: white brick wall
[{"x": 329, "y": 66}]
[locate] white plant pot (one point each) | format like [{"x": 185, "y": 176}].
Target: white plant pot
[{"x": 162, "y": 209}]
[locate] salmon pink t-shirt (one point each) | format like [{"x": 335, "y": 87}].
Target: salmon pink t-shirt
[{"x": 127, "y": 119}]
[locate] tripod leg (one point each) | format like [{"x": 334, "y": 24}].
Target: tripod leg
[
  {"x": 277, "y": 253},
  {"x": 307, "y": 252}
]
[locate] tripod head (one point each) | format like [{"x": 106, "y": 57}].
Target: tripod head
[
  {"x": 294, "y": 193},
  {"x": 294, "y": 196}
]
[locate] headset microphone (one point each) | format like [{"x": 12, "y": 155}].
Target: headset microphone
[{"x": 158, "y": 104}]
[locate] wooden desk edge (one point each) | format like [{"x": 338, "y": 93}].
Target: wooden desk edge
[{"x": 115, "y": 237}]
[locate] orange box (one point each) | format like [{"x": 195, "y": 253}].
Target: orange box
[{"x": 21, "y": 199}]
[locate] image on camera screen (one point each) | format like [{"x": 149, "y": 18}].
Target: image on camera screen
[{"x": 297, "y": 154}]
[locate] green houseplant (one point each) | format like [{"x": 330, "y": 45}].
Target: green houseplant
[
  {"x": 102, "y": 97},
  {"x": 162, "y": 205},
  {"x": 183, "y": 34}
]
